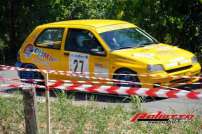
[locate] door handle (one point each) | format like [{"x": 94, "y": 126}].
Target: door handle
[{"x": 66, "y": 54}]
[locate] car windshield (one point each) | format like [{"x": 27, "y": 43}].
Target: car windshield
[{"x": 127, "y": 38}]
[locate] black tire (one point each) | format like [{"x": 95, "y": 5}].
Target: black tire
[
  {"x": 131, "y": 77},
  {"x": 32, "y": 75}
]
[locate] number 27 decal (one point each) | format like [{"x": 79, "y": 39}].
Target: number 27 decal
[{"x": 78, "y": 63}]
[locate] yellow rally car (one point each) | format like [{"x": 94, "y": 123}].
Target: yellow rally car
[{"x": 105, "y": 48}]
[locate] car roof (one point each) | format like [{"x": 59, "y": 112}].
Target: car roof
[
  {"x": 94, "y": 22},
  {"x": 99, "y": 24}
]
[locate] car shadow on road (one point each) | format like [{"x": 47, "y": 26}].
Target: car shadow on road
[{"x": 99, "y": 97}]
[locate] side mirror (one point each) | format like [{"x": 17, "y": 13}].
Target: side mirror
[{"x": 95, "y": 51}]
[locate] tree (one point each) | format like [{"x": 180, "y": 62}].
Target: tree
[{"x": 170, "y": 21}]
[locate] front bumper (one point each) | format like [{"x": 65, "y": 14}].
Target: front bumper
[{"x": 173, "y": 79}]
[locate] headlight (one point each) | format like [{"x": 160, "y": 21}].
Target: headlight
[
  {"x": 194, "y": 60},
  {"x": 153, "y": 68}
]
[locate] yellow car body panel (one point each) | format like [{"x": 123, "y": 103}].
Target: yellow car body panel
[{"x": 175, "y": 61}]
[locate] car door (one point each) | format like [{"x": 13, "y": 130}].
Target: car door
[
  {"x": 84, "y": 53},
  {"x": 47, "y": 53}
]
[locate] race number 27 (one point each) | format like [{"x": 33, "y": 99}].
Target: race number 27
[{"x": 78, "y": 62}]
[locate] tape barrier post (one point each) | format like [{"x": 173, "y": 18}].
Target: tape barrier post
[
  {"x": 35, "y": 104},
  {"x": 47, "y": 104},
  {"x": 30, "y": 110}
]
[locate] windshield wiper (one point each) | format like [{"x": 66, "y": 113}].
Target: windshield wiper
[
  {"x": 144, "y": 44},
  {"x": 124, "y": 47},
  {"x": 140, "y": 45}
]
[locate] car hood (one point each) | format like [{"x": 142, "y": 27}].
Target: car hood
[{"x": 166, "y": 55}]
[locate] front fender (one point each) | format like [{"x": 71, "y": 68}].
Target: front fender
[{"x": 135, "y": 66}]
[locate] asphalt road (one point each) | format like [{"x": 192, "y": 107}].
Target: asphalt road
[{"x": 165, "y": 105}]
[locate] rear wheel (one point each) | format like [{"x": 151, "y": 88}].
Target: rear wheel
[{"x": 32, "y": 75}]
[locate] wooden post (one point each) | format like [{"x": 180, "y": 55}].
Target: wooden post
[
  {"x": 48, "y": 106},
  {"x": 30, "y": 110}
]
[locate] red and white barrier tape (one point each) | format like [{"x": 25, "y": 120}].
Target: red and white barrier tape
[
  {"x": 103, "y": 80},
  {"x": 153, "y": 92},
  {"x": 10, "y": 86},
  {"x": 84, "y": 74},
  {"x": 114, "y": 81},
  {"x": 19, "y": 85},
  {"x": 122, "y": 83},
  {"x": 97, "y": 82}
]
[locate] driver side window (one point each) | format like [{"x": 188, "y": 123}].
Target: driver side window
[{"x": 79, "y": 40}]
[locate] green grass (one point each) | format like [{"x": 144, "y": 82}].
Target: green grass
[{"x": 88, "y": 119}]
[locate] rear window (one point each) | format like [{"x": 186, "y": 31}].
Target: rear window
[{"x": 50, "y": 38}]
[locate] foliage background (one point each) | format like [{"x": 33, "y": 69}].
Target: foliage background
[{"x": 170, "y": 21}]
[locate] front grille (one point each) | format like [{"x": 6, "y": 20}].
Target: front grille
[
  {"x": 178, "y": 69},
  {"x": 180, "y": 80}
]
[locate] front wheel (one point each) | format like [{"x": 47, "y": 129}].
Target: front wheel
[{"x": 126, "y": 78}]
